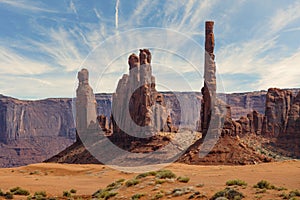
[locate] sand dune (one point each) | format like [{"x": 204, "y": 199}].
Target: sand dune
[{"x": 86, "y": 179}]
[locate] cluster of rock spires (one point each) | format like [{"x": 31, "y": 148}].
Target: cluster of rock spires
[{"x": 139, "y": 112}]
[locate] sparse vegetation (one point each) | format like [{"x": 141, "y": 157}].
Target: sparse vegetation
[
  {"x": 73, "y": 191},
  {"x": 261, "y": 191},
  {"x": 132, "y": 182},
  {"x": 19, "y": 191},
  {"x": 115, "y": 185},
  {"x": 143, "y": 175},
  {"x": 158, "y": 196},
  {"x": 66, "y": 194},
  {"x": 183, "y": 179},
  {"x": 236, "y": 182},
  {"x": 163, "y": 174},
  {"x": 120, "y": 180},
  {"x": 200, "y": 185},
  {"x": 34, "y": 173},
  {"x": 40, "y": 193},
  {"x": 137, "y": 196},
  {"x": 160, "y": 181},
  {"x": 104, "y": 194},
  {"x": 8, "y": 195},
  {"x": 263, "y": 184},
  {"x": 228, "y": 193}
]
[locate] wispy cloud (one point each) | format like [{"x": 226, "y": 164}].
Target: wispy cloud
[
  {"x": 62, "y": 49},
  {"x": 12, "y": 63},
  {"x": 117, "y": 14},
  {"x": 72, "y": 7},
  {"x": 284, "y": 17},
  {"x": 25, "y": 5}
]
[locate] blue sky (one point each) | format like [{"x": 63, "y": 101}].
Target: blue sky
[{"x": 44, "y": 43}]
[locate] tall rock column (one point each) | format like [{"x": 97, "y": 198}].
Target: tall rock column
[
  {"x": 209, "y": 89},
  {"x": 138, "y": 110},
  {"x": 86, "y": 114}
]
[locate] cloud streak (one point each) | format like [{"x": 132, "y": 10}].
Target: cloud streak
[{"x": 117, "y": 14}]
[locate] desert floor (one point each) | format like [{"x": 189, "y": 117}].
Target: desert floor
[{"x": 86, "y": 179}]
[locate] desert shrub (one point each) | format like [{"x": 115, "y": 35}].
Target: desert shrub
[
  {"x": 115, "y": 185},
  {"x": 236, "y": 182},
  {"x": 280, "y": 188},
  {"x": 104, "y": 194},
  {"x": 132, "y": 182},
  {"x": 34, "y": 173},
  {"x": 160, "y": 181},
  {"x": 264, "y": 185},
  {"x": 8, "y": 195},
  {"x": 183, "y": 179},
  {"x": 294, "y": 193},
  {"x": 19, "y": 191},
  {"x": 200, "y": 185},
  {"x": 261, "y": 191},
  {"x": 229, "y": 193},
  {"x": 162, "y": 174},
  {"x": 66, "y": 194},
  {"x": 40, "y": 193},
  {"x": 143, "y": 175},
  {"x": 158, "y": 196},
  {"x": 120, "y": 180},
  {"x": 73, "y": 191},
  {"x": 137, "y": 196},
  {"x": 1, "y": 193}
]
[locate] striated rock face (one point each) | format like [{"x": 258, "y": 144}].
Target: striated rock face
[
  {"x": 31, "y": 131},
  {"x": 289, "y": 141},
  {"x": 243, "y": 103},
  {"x": 278, "y": 105},
  {"x": 43, "y": 118}
]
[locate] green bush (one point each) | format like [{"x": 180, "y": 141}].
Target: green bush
[
  {"x": 120, "y": 180},
  {"x": 19, "y": 191},
  {"x": 228, "y": 193},
  {"x": 132, "y": 182},
  {"x": 66, "y": 194},
  {"x": 236, "y": 182},
  {"x": 137, "y": 196},
  {"x": 104, "y": 194},
  {"x": 264, "y": 185},
  {"x": 158, "y": 196},
  {"x": 40, "y": 193},
  {"x": 73, "y": 191},
  {"x": 8, "y": 195},
  {"x": 143, "y": 175},
  {"x": 162, "y": 174},
  {"x": 183, "y": 179},
  {"x": 159, "y": 181},
  {"x": 294, "y": 193}
]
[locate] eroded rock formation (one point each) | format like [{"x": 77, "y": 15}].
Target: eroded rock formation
[
  {"x": 86, "y": 114},
  {"x": 209, "y": 89},
  {"x": 138, "y": 110}
]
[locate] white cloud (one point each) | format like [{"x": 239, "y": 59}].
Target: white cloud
[
  {"x": 72, "y": 7},
  {"x": 117, "y": 14},
  {"x": 283, "y": 74},
  {"x": 284, "y": 17},
  {"x": 62, "y": 49},
  {"x": 12, "y": 63},
  {"x": 25, "y": 5}
]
